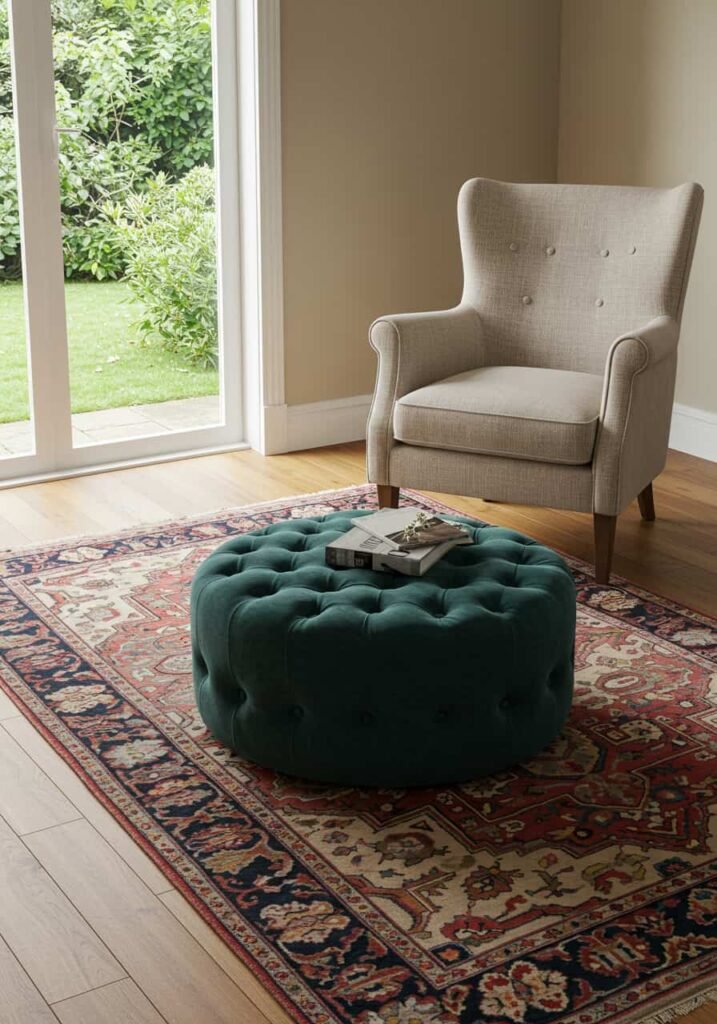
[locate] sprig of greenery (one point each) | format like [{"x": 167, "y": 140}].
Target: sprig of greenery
[{"x": 410, "y": 532}]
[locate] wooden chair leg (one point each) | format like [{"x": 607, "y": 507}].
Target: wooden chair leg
[
  {"x": 646, "y": 502},
  {"x": 387, "y": 496},
  {"x": 604, "y": 533}
]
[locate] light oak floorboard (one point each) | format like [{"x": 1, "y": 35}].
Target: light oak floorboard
[
  {"x": 92, "y": 810},
  {"x": 56, "y": 947},
  {"x": 28, "y": 799},
  {"x": 676, "y": 556},
  {"x": 706, "y": 1014},
  {"x": 20, "y": 1002},
  {"x": 21, "y": 520},
  {"x": 180, "y": 979},
  {"x": 7, "y": 708},
  {"x": 120, "y": 1003},
  {"x": 220, "y": 952}
]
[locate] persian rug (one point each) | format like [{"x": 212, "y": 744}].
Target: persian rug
[{"x": 580, "y": 887}]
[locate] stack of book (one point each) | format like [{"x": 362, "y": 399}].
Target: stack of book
[{"x": 402, "y": 540}]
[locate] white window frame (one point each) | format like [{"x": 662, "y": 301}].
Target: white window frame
[
  {"x": 262, "y": 263},
  {"x": 248, "y": 163}
]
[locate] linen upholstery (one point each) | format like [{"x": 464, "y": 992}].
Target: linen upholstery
[
  {"x": 415, "y": 349},
  {"x": 520, "y": 411},
  {"x": 341, "y": 675},
  {"x": 554, "y": 484},
  {"x": 645, "y": 234},
  {"x": 586, "y": 279},
  {"x": 635, "y": 413}
]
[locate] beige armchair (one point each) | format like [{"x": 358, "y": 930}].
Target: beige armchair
[{"x": 552, "y": 382}]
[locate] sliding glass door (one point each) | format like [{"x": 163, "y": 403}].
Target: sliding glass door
[
  {"x": 119, "y": 274},
  {"x": 16, "y": 437}
]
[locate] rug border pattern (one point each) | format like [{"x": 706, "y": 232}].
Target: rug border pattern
[{"x": 167, "y": 534}]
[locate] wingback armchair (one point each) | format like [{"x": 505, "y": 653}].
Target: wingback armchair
[{"x": 551, "y": 383}]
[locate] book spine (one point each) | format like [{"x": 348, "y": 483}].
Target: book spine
[
  {"x": 343, "y": 558},
  {"x": 406, "y": 566}
]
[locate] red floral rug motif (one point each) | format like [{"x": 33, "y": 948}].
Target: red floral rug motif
[{"x": 579, "y": 888}]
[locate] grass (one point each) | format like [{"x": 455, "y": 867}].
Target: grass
[{"x": 109, "y": 365}]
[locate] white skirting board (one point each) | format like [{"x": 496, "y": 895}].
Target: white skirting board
[
  {"x": 321, "y": 423},
  {"x": 694, "y": 431},
  {"x": 344, "y": 419}
]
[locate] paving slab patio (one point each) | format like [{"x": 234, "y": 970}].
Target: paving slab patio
[{"x": 117, "y": 424}]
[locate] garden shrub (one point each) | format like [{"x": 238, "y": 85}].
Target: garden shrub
[
  {"x": 170, "y": 240},
  {"x": 172, "y": 56},
  {"x": 95, "y": 179},
  {"x": 133, "y": 82},
  {"x": 97, "y": 248},
  {"x": 9, "y": 220},
  {"x": 5, "y": 76}
]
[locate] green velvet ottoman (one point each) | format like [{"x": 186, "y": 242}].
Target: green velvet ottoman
[{"x": 365, "y": 678}]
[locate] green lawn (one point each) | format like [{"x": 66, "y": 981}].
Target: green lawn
[{"x": 109, "y": 366}]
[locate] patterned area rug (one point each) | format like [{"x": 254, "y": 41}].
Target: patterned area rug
[{"x": 577, "y": 888}]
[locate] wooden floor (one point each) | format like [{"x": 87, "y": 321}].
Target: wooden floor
[{"x": 90, "y": 931}]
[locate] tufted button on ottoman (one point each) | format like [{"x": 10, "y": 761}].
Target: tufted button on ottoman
[{"x": 365, "y": 678}]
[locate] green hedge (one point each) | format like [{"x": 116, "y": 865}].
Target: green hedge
[
  {"x": 170, "y": 233},
  {"x": 134, "y": 86}
]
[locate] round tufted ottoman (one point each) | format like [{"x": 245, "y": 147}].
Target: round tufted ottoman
[{"x": 365, "y": 678}]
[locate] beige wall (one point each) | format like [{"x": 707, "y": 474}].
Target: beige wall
[
  {"x": 638, "y": 106},
  {"x": 387, "y": 107}
]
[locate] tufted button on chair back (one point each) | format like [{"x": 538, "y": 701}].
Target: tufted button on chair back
[{"x": 556, "y": 272}]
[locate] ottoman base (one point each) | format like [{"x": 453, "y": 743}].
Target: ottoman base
[{"x": 352, "y": 677}]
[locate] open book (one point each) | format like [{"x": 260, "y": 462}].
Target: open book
[
  {"x": 380, "y": 542},
  {"x": 407, "y": 528}
]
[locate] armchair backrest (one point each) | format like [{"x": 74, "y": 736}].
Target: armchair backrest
[{"x": 557, "y": 272}]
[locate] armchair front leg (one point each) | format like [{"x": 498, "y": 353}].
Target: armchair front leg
[
  {"x": 387, "y": 496},
  {"x": 604, "y": 535},
  {"x": 646, "y": 501}
]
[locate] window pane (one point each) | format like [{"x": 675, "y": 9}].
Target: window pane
[
  {"x": 16, "y": 436},
  {"x": 134, "y": 113}
]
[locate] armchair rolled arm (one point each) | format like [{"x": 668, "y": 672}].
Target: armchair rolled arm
[
  {"x": 636, "y": 351},
  {"x": 415, "y": 349},
  {"x": 425, "y": 347},
  {"x": 635, "y": 414}
]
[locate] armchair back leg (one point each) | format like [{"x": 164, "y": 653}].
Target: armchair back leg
[
  {"x": 646, "y": 502},
  {"x": 604, "y": 533},
  {"x": 387, "y": 496}
]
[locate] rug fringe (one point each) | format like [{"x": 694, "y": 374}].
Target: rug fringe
[{"x": 669, "y": 1016}]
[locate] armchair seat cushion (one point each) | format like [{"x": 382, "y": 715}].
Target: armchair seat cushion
[{"x": 522, "y": 412}]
